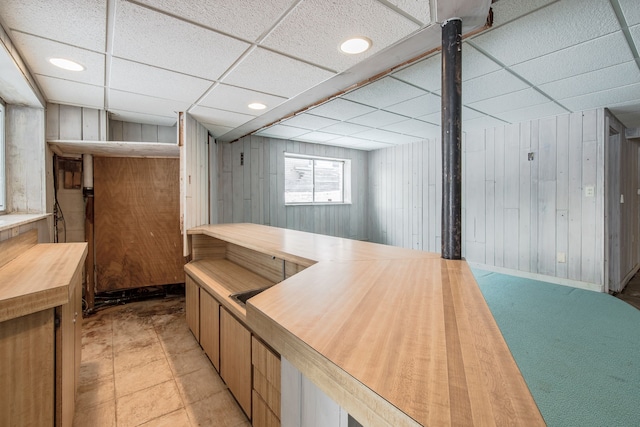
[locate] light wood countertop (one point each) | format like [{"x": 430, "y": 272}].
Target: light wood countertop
[
  {"x": 395, "y": 336},
  {"x": 39, "y": 278}
]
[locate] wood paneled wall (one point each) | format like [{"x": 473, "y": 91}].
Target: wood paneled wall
[
  {"x": 26, "y": 160},
  {"x": 254, "y": 192},
  {"x": 194, "y": 177},
  {"x": 75, "y": 123},
  {"x": 518, "y": 214},
  {"x": 138, "y": 132},
  {"x": 621, "y": 192}
]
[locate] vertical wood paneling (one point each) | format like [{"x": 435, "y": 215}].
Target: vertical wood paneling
[
  {"x": 518, "y": 214},
  {"x": 254, "y": 191}
]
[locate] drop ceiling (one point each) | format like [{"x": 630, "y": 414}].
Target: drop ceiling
[{"x": 146, "y": 60}]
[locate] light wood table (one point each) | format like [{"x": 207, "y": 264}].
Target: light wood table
[{"x": 394, "y": 336}]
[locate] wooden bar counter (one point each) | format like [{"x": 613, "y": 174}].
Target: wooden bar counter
[{"x": 394, "y": 336}]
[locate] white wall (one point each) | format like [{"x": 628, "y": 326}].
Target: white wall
[
  {"x": 26, "y": 156},
  {"x": 254, "y": 192},
  {"x": 517, "y": 214}
]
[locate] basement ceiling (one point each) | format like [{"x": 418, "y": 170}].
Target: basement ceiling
[{"x": 146, "y": 60}]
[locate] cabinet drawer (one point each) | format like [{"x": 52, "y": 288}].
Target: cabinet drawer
[
  {"x": 266, "y": 375},
  {"x": 262, "y": 415}
]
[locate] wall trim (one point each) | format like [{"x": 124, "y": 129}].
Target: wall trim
[{"x": 541, "y": 277}]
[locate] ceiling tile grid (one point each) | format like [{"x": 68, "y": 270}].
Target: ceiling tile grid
[
  {"x": 38, "y": 51},
  {"x": 377, "y": 118},
  {"x": 72, "y": 93},
  {"x": 311, "y": 122},
  {"x": 384, "y": 92},
  {"x": 510, "y": 101},
  {"x": 631, "y": 11},
  {"x": 134, "y": 102},
  {"x": 415, "y": 107},
  {"x": 156, "y": 39},
  {"x": 534, "y": 112},
  {"x": 76, "y": 22},
  {"x": 219, "y": 117},
  {"x": 317, "y": 137},
  {"x": 247, "y": 19},
  {"x": 237, "y": 99},
  {"x": 605, "y": 97},
  {"x": 282, "y": 131},
  {"x": 314, "y": 30},
  {"x": 131, "y": 76}
]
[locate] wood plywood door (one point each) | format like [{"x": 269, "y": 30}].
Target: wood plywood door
[{"x": 137, "y": 223}]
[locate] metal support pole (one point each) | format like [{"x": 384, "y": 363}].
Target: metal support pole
[{"x": 451, "y": 139}]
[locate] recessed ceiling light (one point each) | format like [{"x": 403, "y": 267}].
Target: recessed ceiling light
[
  {"x": 66, "y": 64},
  {"x": 355, "y": 45},
  {"x": 257, "y": 106}
]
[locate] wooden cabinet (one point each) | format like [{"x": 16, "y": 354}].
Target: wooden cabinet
[
  {"x": 192, "y": 301},
  {"x": 266, "y": 385},
  {"x": 210, "y": 327},
  {"x": 68, "y": 346},
  {"x": 235, "y": 359}
]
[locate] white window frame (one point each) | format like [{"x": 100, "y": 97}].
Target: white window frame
[
  {"x": 346, "y": 180},
  {"x": 3, "y": 169}
]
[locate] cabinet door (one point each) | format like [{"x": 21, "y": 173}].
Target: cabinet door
[
  {"x": 68, "y": 348},
  {"x": 210, "y": 327},
  {"x": 192, "y": 297},
  {"x": 266, "y": 376},
  {"x": 235, "y": 359}
]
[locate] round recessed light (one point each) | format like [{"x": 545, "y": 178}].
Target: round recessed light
[
  {"x": 355, "y": 45},
  {"x": 66, "y": 64},
  {"x": 257, "y": 106}
]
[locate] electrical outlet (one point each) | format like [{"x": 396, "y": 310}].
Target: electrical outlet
[
  {"x": 562, "y": 257},
  {"x": 589, "y": 191}
]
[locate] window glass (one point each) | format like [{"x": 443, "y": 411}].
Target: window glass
[
  {"x": 313, "y": 180},
  {"x": 3, "y": 184}
]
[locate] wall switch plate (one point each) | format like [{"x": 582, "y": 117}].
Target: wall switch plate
[
  {"x": 622, "y": 198},
  {"x": 589, "y": 191},
  {"x": 562, "y": 257}
]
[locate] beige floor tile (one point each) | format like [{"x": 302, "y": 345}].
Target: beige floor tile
[
  {"x": 127, "y": 338},
  {"x": 141, "y": 377},
  {"x": 102, "y": 415},
  {"x": 217, "y": 410},
  {"x": 179, "y": 344},
  {"x": 137, "y": 354},
  {"x": 168, "y": 326},
  {"x": 199, "y": 385},
  {"x": 178, "y": 418},
  {"x": 95, "y": 393},
  {"x": 148, "y": 404},
  {"x": 93, "y": 370},
  {"x": 99, "y": 347},
  {"x": 187, "y": 362}
]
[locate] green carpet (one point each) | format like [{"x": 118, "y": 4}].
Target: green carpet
[{"x": 579, "y": 351}]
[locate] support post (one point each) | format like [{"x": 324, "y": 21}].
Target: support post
[{"x": 451, "y": 125}]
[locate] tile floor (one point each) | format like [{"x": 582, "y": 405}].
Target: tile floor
[{"x": 141, "y": 366}]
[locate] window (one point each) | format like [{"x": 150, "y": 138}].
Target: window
[
  {"x": 3, "y": 185},
  {"x": 316, "y": 180}
]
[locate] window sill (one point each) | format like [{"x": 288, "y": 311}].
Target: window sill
[
  {"x": 9, "y": 221},
  {"x": 317, "y": 204}
]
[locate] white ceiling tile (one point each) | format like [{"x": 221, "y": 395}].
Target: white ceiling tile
[
  {"x": 377, "y": 118},
  {"x": 37, "y": 52},
  {"x": 425, "y": 74},
  {"x": 373, "y": 145},
  {"x": 387, "y": 137},
  {"x": 156, "y": 39},
  {"x": 631, "y": 11},
  {"x": 420, "y": 10},
  {"x": 468, "y": 114},
  {"x": 506, "y": 11},
  {"x": 128, "y": 116},
  {"x": 219, "y": 117},
  {"x": 67, "y": 92},
  {"x": 269, "y": 72},
  {"x": 316, "y": 137},
  {"x": 137, "y": 103},
  {"x": 345, "y": 128},
  {"x": 511, "y": 101},
  {"x": 247, "y": 19},
  {"x": 484, "y": 122},
  {"x": 341, "y": 109},
  {"x": 139, "y": 78},
  {"x": 612, "y": 49},
  {"x": 349, "y": 141},
  {"x": 309, "y": 121},
  {"x": 384, "y": 92},
  {"x": 557, "y": 26},
  {"x": 529, "y": 113},
  {"x": 83, "y": 27},
  {"x": 603, "y": 98},
  {"x": 216, "y": 130},
  {"x": 635, "y": 34},
  {"x": 232, "y": 98},
  {"x": 420, "y": 106},
  {"x": 605, "y": 78},
  {"x": 314, "y": 30},
  {"x": 433, "y": 118},
  {"x": 415, "y": 128},
  {"x": 475, "y": 63},
  {"x": 490, "y": 85},
  {"x": 282, "y": 131}
]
